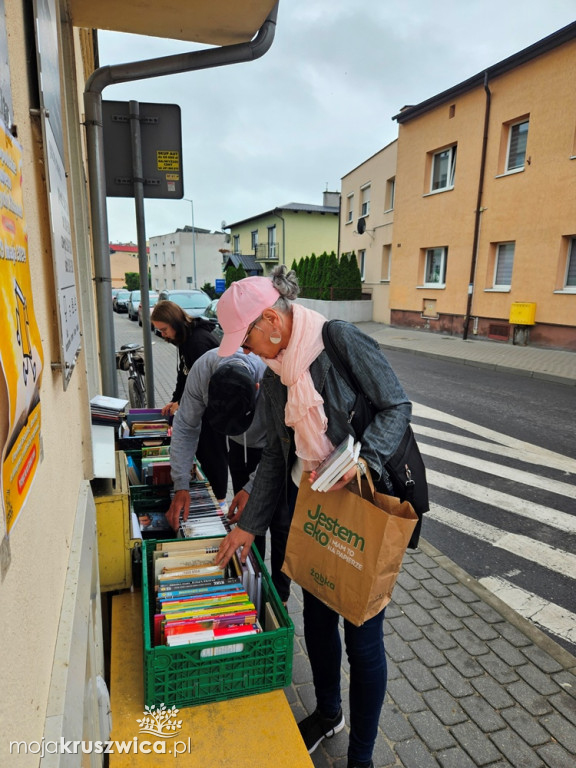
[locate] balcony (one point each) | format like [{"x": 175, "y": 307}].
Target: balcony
[{"x": 267, "y": 252}]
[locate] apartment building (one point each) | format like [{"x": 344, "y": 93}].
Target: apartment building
[
  {"x": 366, "y": 224},
  {"x": 187, "y": 258},
  {"x": 485, "y": 203},
  {"x": 288, "y": 232}
]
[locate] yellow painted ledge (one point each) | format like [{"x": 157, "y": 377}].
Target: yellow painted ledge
[{"x": 244, "y": 732}]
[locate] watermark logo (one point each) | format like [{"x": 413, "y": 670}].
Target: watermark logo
[{"x": 160, "y": 722}]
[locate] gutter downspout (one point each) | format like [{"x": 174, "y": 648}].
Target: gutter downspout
[
  {"x": 121, "y": 73},
  {"x": 479, "y": 210}
]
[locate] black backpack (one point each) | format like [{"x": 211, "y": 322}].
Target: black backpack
[{"x": 406, "y": 467}]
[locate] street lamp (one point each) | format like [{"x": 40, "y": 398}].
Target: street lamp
[{"x": 193, "y": 238}]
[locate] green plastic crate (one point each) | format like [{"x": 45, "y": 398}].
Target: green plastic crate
[{"x": 186, "y": 676}]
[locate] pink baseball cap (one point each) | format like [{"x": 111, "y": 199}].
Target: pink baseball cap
[{"x": 239, "y": 306}]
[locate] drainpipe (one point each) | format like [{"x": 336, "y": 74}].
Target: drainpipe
[
  {"x": 283, "y": 234},
  {"x": 122, "y": 73},
  {"x": 479, "y": 209}
]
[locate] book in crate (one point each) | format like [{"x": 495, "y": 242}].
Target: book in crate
[{"x": 225, "y": 667}]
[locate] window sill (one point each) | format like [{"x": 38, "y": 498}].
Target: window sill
[
  {"x": 496, "y": 289},
  {"x": 568, "y": 290},
  {"x": 509, "y": 173},
  {"x": 431, "y": 287},
  {"x": 438, "y": 191}
]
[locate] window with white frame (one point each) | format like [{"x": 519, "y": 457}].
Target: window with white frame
[
  {"x": 362, "y": 263},
  {"x": 272, "y": 241},
  {"x": 350, "y": 208},
  {"x": 163, "y": 257},
  {"x": 390, "y": 194},
  {"x": 365, "y": 200},
  {"x": 443, "y": 168},
  {"x": 236, "y": 243},
  {"x": 570, "y": 280},
  {"x": 503, "y": 265},
  {"x": 517, "y": 140},
  {"x": 254, "y": 239},
  {"x": 155, "y": 259},
  {"x": 435, "y": 267},
  {"x": 173, "y": 254}
]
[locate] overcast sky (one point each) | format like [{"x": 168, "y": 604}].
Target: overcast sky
[{"x": 288, "y": 126}]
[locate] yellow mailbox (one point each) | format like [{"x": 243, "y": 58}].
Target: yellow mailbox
[{"x": 523, "y": 313}]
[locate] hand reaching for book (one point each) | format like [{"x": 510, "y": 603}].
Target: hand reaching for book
[
  {"x": 180, "y": 504},
  {"x": 237, "y": 506},
  {"x": 236, "y": 539}
]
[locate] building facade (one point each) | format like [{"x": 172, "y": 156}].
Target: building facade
[
  {"x": 366, "y": 224},
  {"x": 288, "y": 232},
  {"x": 123, "y": 258},
  {"x": 485, "y": 213},
  {"x": 56, "y": 351},
  {"x": 186, "y": 258}
]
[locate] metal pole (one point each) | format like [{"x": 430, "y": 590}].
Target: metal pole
[
  {"x": 193, "y": 239},
  {"x": 138, "y": 181}
]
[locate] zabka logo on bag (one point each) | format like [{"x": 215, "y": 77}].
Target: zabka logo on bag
[
  {"x": 320, "y": 579},
  {"x": 320, "y": 525}
]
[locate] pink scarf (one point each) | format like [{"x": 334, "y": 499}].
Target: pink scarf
[{"x": 305, "y": 406}]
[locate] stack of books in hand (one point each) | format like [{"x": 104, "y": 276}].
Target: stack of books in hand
[{"x": 337, "y": 463}]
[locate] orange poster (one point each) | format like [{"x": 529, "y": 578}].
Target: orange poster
[{"x": 21, "y": 356}]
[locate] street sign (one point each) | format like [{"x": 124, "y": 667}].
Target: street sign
[
  {"x": 161, "y": 148},
  {"x": 220, "y": 285}
]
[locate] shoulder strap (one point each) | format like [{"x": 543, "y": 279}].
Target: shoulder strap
[{"x": 334, "y": 355}]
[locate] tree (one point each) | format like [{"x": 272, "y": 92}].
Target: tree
[
  {"x": 230, "y": 275},
  {"x": 210, "y": 290},
  {"x": 354, "y": 279},
  {"x": 311, "y": 278},
  {"x": 132, "y": 280},
  {"x": 329, "y": 276},
  {"x": 241, "y": 273}
]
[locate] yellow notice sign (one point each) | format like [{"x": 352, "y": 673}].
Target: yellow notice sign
[
  {"x": 168, "y": 160},
  {"x": 21, "y": 356},
  {"x": 172, "y": 177}
]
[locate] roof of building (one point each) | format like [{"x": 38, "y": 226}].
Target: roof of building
[
  {"x": 248, "y": 261},
  {"x": 295, "y": 208},
  {"x": 125, "y": 248},
  {"x": 564, "y": 35}
]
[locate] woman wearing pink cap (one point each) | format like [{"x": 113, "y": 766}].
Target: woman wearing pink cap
[{"x": 308, "y": 410}]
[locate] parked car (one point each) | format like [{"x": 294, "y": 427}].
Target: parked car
[
  {"x": 153, "y": 298},
  {"x": 193, "y": 301},
  {"x": 120, "y": 301},
  {"x": 210, "y": 310},
  {"x": 133, "y": 302}
]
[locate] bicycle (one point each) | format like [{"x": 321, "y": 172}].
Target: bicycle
[{"x": 129, "y": 358}]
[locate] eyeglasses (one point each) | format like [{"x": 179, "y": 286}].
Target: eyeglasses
[{"x": 248, "y": 332}]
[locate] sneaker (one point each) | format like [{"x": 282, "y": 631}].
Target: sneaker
[{"x": 316, "y": 727}]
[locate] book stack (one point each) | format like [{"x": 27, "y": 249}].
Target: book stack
[
  {"x": 150, "y": 428},
  {"x": 205, "y": 517},
  {"x": 156, "y": 465},
  {"x": 107, "y": 411},
  {"x": 196, "y": 601},
  {"x": 337, "y": 463}
]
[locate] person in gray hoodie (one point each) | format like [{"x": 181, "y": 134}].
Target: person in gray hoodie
[{"x": 226, "y": 392}]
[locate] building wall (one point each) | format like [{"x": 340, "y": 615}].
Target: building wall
[
  {"x": 534, "y": 208},
  {"x": 379, "y": 172},
  {"x": 172, "y": 259},
  {"x": 122, "y": 262},
  {"x": 35, "y": 559},
  {"x": 298, "y": 234}
]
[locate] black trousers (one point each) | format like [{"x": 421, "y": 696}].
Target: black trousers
[
  {"x": 241, "y": 467},
  {"x": 213, "y": 457}
]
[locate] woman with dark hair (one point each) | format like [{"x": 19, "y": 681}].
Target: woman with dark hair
[{"x": 193, "y": 336}]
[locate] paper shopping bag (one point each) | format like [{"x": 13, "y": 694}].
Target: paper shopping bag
[{"x": 347, "y": 548}]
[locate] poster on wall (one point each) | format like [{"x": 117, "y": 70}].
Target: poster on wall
[
  {"x": 5, "y": 91},
  {"x": 21, "y": 358},
  {"x": 58, "y": 203}
]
